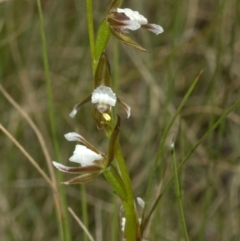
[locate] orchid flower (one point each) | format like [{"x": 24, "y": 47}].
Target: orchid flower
[
  {"x": 92, "y": 161},
  {"x": 121, "y": 20},
  {"x": 127, "y": 19},
  {"x": 102, "y": 97}
]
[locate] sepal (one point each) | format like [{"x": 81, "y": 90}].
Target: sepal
[
  {"x": 83, "y": 179},
  {"x": 77, "y": 170},
  {"x": 78, "y": 106},
  {"x": 126, "y": 40},
  {"x": 126, "y": 107},
  {"x": 73, "y": 136}
]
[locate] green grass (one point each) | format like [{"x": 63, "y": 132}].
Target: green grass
[{"x": 198, "y": 35}]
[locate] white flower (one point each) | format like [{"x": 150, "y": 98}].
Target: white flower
[
  {"x": 103, "y": 97},
  {"x": 84, "y": 156},
  {"x": 127, "y": 19},
  {"x": 92, "y": 161}
]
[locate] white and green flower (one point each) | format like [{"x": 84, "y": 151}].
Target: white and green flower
[{"x": 103, "y": 99}]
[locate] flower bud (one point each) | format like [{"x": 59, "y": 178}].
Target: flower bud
[{"x": 102, "y": 75}]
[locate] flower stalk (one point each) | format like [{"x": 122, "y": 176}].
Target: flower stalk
[
  {"x": 92, "y": 161},
  {"x": 132, "y": 230},
  {"x": 91, "y": 32}
]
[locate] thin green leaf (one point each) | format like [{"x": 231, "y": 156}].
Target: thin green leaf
[
  {"x": 102, "y": 39},
  {"x": 152, "y": 174},
  {"x": 213, "y": 127},
  {"x": 112, "y": 141}
]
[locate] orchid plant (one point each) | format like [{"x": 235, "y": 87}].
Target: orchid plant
[{"x": 92, "y": 161}]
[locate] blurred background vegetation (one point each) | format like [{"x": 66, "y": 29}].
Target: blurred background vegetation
[{"x": 198, "y": 35}]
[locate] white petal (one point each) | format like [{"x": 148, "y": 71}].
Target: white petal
[
  {"x": 130, "y": 24},
  {"x": 133, "y": 15},
  {"x": 104, "y": 97},
  {"x": 73, "y": 113},
  {"x": 72, "y": 136},
  {"x": 128, "y": 110},
  {"x": 123, "y": 223},
  {"x": 60, "y": 166},
  {"x": 84, "y": 156},
  {"x": 126, "y": 107},
  {"x": 157, "y": 29},
  {"x": 140, "y": 202}
]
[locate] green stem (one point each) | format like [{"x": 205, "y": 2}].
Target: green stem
[
  {"x": 64, "y": 230},
  {"x": 116, "y": 182},
  {"x": 91, "y": 32},
  {"x": 115, "y": 77},
  {"x": 132, "y": 229},
  {"x": 178, "y": 194},
  {"x": 114, "y": 224}
]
